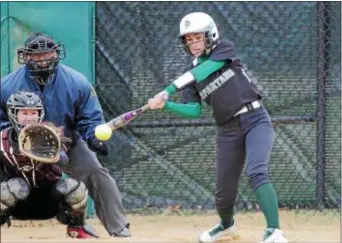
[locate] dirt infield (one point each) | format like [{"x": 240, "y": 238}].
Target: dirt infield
[{"x": 299, "y": 227}]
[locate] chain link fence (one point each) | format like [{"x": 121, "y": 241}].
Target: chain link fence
[{"x": 291, "y": 50}]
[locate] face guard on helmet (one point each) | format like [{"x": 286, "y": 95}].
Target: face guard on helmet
[
  {"x": 41, "y": 68},
  {"x": 23, "y": 100},
  {"x": 197, "y": 22}
]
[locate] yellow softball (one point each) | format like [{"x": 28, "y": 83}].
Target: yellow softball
[{"x": 103, "y": 132}]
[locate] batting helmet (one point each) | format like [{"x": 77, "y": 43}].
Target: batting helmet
[{"x": 197, "y": 22}]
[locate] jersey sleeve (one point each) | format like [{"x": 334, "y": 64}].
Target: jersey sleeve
[
  {"x": 89, "y": 113},
  {"x": 189, "y": 94},
  {"x": 225, "y": 50}
]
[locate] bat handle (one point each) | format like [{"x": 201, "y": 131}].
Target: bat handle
[{"x": 145, "y": 107}]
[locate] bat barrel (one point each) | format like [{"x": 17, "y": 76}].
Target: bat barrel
[{"x": 126, "y": 117}]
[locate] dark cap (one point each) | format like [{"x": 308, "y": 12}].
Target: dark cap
[{"x": 40, "y": 41}]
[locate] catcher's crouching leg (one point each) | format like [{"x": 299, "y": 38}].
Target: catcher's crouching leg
[
  {"x": 72, "y": 208},
  {"x": 11, "y": 192}
]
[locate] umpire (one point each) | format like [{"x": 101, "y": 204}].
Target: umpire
[{"x": 69, "y": 101}]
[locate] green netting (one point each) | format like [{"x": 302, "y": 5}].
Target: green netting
[{"x": 163, "y": 159}]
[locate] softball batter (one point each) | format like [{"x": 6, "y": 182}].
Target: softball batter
[{"x": 244, "y": 129}]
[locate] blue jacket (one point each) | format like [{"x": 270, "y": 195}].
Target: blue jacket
[{"x": 69, "y": 101}]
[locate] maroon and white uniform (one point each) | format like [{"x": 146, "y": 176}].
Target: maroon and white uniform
[{"x": 15, "y": 165}]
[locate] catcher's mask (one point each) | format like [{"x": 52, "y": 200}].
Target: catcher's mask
[
  {"x": 41, "y": 69},
  {"x": 23, "y": 100},
  {"x": 197, "y": 22}
]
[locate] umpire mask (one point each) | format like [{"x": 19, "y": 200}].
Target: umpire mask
[{"x": 41, "y": 55}]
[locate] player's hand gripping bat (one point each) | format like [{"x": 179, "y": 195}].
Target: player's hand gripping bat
[{"x": 129, "y": 116}]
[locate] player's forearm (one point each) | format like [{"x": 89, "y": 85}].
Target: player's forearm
[
  {"x": 197, "y": 74},
  {"x": 191, "y": 110}
]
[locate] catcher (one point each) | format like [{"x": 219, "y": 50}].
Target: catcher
[{"x": 32, "y": 187}]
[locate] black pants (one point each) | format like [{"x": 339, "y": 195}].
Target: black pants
[
  {"x": 42, "y": 203},
  {"x": 245, "y": 139}
]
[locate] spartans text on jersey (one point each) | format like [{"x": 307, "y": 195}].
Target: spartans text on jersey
[{"x": 217, "y": 83}]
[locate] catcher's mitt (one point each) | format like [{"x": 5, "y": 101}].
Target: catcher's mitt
[
  {"x": 39, "y": 142},
  {"x": 59, "y": 131}
]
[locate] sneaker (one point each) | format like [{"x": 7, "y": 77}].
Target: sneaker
[
  {"x": 81, "y": 232},
  {"x": 274, "y": 236},
  {"x": 125, "y": 232},
  {"x": 219, "y": 233}
]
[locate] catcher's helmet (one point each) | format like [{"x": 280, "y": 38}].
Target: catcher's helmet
[
  {"x": 41, "y": 43},
  {"x": 197, "y": 22},
  {"x": 23, "y": 100}
]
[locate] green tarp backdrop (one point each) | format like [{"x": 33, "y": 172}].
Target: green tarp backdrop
[{"x": 71, "y": 23}]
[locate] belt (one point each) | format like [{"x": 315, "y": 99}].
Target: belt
[{"x": 250, "y": 106}]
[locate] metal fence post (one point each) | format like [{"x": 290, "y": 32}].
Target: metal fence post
[{"x": 322, "y": 36}]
